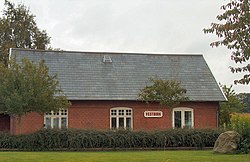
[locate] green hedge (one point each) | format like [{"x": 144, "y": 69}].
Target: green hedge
[{"x": 71, "y": 139}]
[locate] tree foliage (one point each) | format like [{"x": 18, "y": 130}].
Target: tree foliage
[
  {"x": 167, "y": 92},
  {"x": 245, "y": 97},
  {"x": 234, "y": 104},
  {"x": 28, "y": 87},
  {"x": 18, "y": 29},
  {"x": 234, "y": 31}
]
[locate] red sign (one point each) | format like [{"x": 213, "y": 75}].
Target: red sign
[{"x": 153, "y": 114}]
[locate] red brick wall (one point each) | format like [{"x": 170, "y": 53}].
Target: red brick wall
[
  {"x": 29, "y": 123},
  {"x": 89, "y": 115},
  {"x": 96, "y": 115},
  {"x": 205, "y": 113}
]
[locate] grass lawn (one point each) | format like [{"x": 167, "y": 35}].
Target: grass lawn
[{"x": 119, "y": 156}]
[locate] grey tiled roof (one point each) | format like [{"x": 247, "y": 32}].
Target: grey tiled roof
[{"x": 84, "y": 75}]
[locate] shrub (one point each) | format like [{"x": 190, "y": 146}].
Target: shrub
[
  {"x": 8, "y": 141},
  {"x": 72, "y": 139},
  {"x": 241, "y": 124}
]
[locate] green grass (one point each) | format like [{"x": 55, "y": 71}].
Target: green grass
[{"x": 125, "y": 156}]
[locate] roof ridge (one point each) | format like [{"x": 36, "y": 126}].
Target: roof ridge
[{"x": 111, "y": 53}]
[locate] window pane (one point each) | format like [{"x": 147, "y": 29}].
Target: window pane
[
  {"x": 47, "y": 122},
  {"x": 56, "y": 123},
  {"x": 56, "y": 113},
  {"x": 128, "y": 112},
  {"x": 177, "y": 119},
  {"x": 121, "y": 112},
  {"x": 64, "y": 123},
  {"x": 113, "y": 112},
  {"x": 188, "y": 119},
  {"x": 64, "y": 112},
  {"x": 113, "y": 123},
  {"x": 121, "y": 122},
  {"x": 128, "y": 123}
]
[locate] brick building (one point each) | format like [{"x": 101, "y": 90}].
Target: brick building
[{"x": 103, "y": 89}]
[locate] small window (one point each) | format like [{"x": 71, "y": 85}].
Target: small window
[
  {"x": 121, "y": 118},
  {"x": 57, "y": 119},
  {"x": 107, "y": 59},
  {"x": 183, "y": 118}
]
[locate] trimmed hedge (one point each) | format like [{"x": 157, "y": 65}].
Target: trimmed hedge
[{"x": 72, "y": 139}]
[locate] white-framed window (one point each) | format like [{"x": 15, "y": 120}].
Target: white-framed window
[
  {"x": 183, "y": 117},
  {"x": 57, "y": 119},
  {"x": 121, "y": 118}
]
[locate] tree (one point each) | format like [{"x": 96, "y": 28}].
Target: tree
[
  {"x": 234, "y": 104},
  {"x": 245, "y": 97},
  {"x": 166, "y": 92},
  {"x": 234, "y": 31},
  {"x": 18, "y": 29},
  {"x": 28, "y": 87}
]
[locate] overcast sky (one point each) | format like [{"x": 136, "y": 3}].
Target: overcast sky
[{"x": 143, "y": 26}]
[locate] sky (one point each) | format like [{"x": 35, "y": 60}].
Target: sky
[{"x": 142, "y": 26}]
